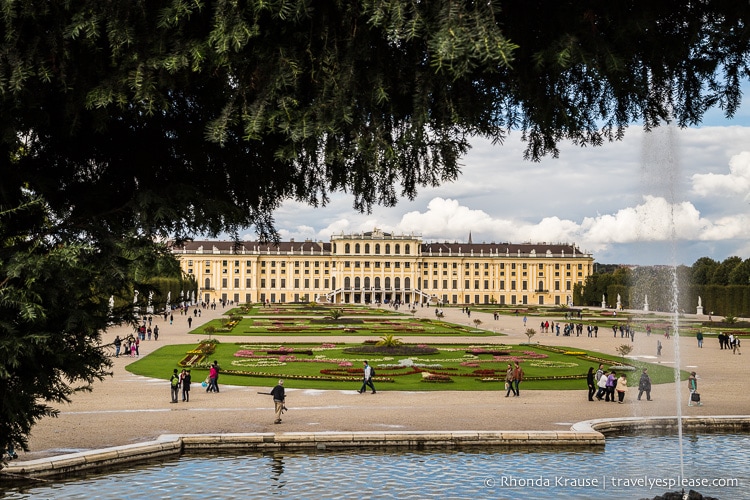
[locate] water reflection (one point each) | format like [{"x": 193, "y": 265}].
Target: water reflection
[
  {"x": 277, "y": 469},
  {"x": 629, "y": 467}
]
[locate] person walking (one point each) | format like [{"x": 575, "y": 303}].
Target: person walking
[
  {"x": 591, "y": 383},
  {"x": 186, "y": 380},
  {"x": 174, "y": 384},
  {"x": 517, "y": 378},
  {"x": 699, "y": 338},
  {"x": 213, "y": 377},
  {"x": 118, "y": 343},
  {"x": 693, "y": 388},
  {"x": 367, "y": 379},
  {"x": 644, "y": 385},
  {"x": 622, "y": 388},
  {"x": 279, "y": 396},
  {"x": 509, "y": 381}
]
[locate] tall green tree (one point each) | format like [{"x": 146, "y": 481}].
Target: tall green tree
[
  {"x": 740, "y": 275},
  {"x": 131, "y": 120},
  {"x": 55, "y": 291},
  {"x": 204, "y": 116},
  {"x": 724, "y": 270},
  {"x": 702, "y": 270}
]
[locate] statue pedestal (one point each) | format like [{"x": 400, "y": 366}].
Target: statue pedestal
[
  {"x": 699, "y": 310},
  {"x": 645, "y": 307}
]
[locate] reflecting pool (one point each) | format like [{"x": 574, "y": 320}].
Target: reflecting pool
[{"x": 629, "y": 467}]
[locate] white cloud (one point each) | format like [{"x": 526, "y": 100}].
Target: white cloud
[
  {"x": 737, "y": 181},
  {"x": 653, "y": 220},
  {"x": 684, "y": 185}
]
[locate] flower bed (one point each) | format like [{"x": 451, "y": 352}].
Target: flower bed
[
  {"x": 196, "y": 356},
  {"x": 432, "y": 377}
]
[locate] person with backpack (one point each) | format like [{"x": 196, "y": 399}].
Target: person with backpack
[
  {"x": 367, "y": 379},
  {"x": 174, "y": 383}
]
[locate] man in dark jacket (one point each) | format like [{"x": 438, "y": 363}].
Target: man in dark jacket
[
  {"x": 644, "y": 385},
  {"x": 278, "y": 399}
]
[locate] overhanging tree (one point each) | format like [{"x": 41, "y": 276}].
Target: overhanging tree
[{"x": 132, "y": 119}]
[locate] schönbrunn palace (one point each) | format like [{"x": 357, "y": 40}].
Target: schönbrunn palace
[{"x": 381, "y": 267}]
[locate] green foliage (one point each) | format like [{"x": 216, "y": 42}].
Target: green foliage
[
  {"x": 530, "y": 332},
  {"x": 336, "y": 313},
  {"x": 389, "y": 340},
  {"x": 707, "y": 279},
  {"x": 624, "y": 349},
  {"x": 203, "y": 117},
  {"x": 54, "y": 302}
]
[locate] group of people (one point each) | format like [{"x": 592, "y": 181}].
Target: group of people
[
  {"x": 604, "y": 385},
  {"x": 180, "y": 381},
  {"x": 128, "y": 347},
  {"x": 728, "y": 342},
  {"x": 146, "y": 331}
]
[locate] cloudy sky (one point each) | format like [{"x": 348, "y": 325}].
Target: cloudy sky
[{"x": 666, "y": 197}]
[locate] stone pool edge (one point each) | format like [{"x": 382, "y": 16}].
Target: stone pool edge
[{"x": 585, "y": 433}]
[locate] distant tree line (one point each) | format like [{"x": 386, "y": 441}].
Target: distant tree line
[{"x": 723, "y": 287}]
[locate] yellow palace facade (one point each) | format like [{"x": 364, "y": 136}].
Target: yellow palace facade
[{"x": 382, "y": 267}]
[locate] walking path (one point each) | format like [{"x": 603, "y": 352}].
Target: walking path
[{"x": 126, "y": 409}]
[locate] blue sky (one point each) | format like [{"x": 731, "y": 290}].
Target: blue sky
[{"x": 666, "y": 197}]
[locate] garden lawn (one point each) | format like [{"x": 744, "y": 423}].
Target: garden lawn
[
  {"x": 313, "y": 309},
  {"x": 336, "y": 367},
  {"x": 362, "y": 326}
]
